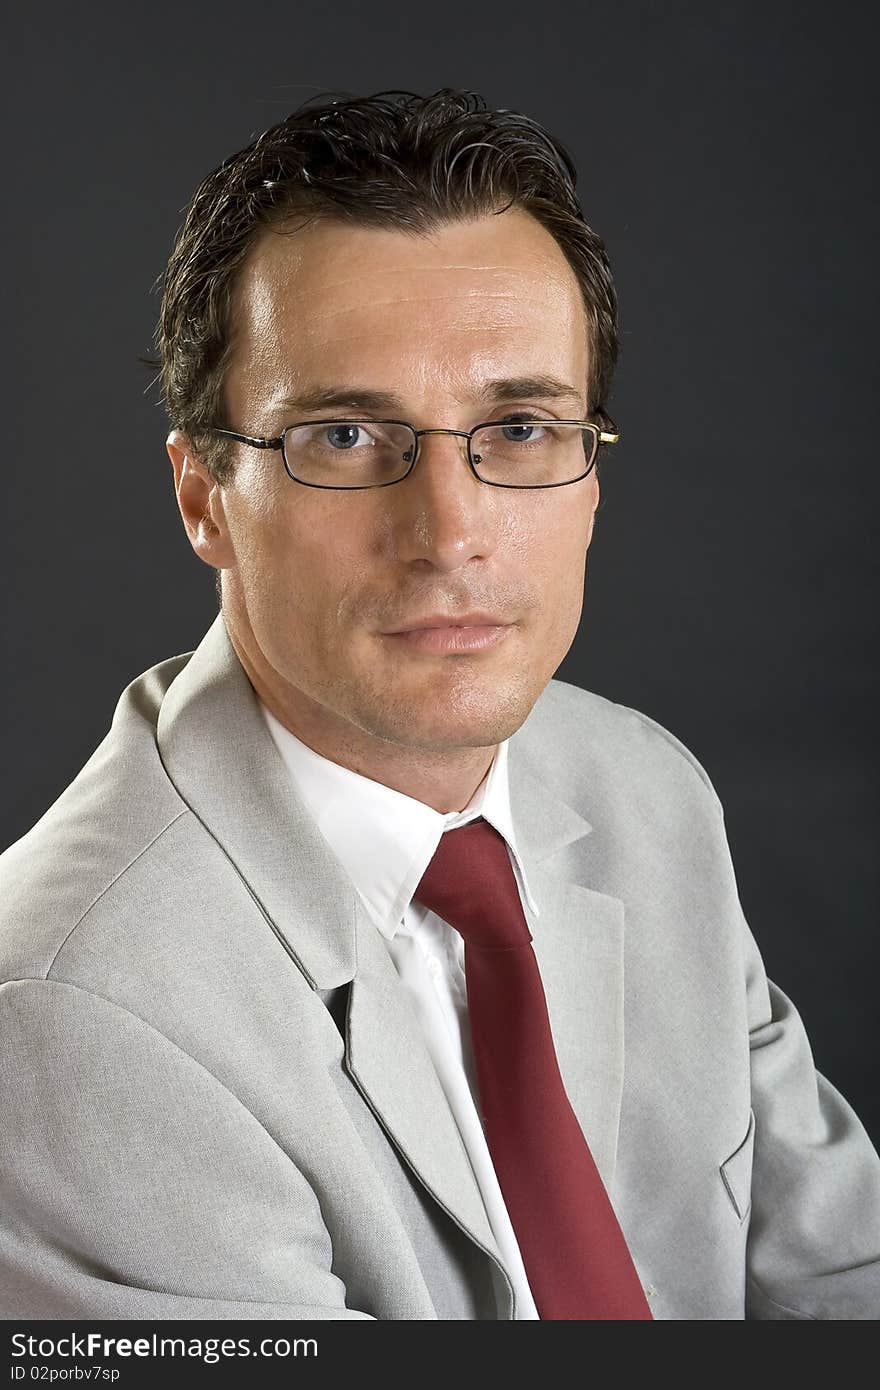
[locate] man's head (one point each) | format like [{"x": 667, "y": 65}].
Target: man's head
[{"x": 422, "y": 248}]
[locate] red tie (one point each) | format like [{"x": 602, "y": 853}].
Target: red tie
[{"x": 574, "y": 1252}]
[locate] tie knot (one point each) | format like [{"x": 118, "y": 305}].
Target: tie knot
[{"x": 470, "y": 883}]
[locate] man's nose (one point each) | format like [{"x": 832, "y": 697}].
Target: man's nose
[{"x": 444, "y": 515}]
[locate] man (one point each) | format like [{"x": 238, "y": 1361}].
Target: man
[{"x": 365, "y": 970}]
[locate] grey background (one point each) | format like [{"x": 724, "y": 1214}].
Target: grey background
[{"x": 726, "y": 156}]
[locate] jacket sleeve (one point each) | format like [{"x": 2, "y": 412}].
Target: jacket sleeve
[
  {"x": 806, "y": 1178},
  {"x": 813, "y": 1249},
  {"x": 133, "y": 1184}
]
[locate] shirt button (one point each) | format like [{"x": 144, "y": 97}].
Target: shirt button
[{"x": 434, "y": 966}]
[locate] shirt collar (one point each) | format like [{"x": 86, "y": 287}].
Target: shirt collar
[{"x": 384, "y": 839}]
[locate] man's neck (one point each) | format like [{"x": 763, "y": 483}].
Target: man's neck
[{"x": 445, "y": 781}]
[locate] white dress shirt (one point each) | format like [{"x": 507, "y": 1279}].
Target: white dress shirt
[{"x": 385, "y": 842}]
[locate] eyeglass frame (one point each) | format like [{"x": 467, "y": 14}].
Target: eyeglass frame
[{"x": 602, "y": 436}]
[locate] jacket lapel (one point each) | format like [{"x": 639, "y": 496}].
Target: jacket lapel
[
  {"x": 219, "y": 754},
  {"x": 578, "y": 941},
  {"x": 387, "y": 1057}
]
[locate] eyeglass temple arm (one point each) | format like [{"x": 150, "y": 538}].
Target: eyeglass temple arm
[{"x": 259, "y": 443}]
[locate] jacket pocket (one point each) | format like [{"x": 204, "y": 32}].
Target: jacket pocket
[{"x": 736, "y": 1172}]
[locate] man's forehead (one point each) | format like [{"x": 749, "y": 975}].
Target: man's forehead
[
  {"x": 510, "y": 253},
  {"x": 364, "y": 308}
]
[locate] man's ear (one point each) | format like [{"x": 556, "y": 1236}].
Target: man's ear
[{"x": 200, "y": 500}]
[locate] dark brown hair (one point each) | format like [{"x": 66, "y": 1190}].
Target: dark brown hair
[{"x": 391, "y": 160}]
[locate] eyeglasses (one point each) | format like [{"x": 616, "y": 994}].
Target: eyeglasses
[{"x": 519, "y": 452}]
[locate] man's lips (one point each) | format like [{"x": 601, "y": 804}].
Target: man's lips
[{"x": 444, "y": 632}]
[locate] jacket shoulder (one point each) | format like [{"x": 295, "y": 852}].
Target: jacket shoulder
[{"x": 117, "y": 806}]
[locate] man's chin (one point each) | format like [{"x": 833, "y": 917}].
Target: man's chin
[{"x": 476, "y": 718}]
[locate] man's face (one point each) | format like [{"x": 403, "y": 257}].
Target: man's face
[{"x": 321, "y": 582}]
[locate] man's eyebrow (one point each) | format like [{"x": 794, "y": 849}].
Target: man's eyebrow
[{"x": 499, "y": 389}]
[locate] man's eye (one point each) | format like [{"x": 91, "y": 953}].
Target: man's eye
[
  {"x": 520, "y": 431},
  {"x": 344, "y": 436}
]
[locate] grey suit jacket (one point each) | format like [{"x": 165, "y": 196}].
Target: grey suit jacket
[{"x": 217, "y": 1102}]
